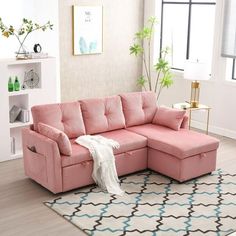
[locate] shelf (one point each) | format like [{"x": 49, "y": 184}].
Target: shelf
[
  {"x": 18, "y": 124},
  {"x": 25, "y": 99},
  {"x": 13, "y": 61},
  {"x": 16, "y": 93}
]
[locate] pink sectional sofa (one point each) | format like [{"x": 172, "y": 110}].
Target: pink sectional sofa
[{"x": 128, "y": 118}]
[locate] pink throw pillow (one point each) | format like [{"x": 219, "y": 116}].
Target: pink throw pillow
[
  {"x": 169, "y": 117},
  {"x": 58, "y": 136}
]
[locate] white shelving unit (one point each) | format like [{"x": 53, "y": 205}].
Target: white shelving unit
[{"x": 45, "y": 92}]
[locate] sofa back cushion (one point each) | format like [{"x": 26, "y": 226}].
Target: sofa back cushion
[
  {"x": 139, "y": 107},
  {"x": 102, "y": 114},
  {"x": 66, "y": 117}
]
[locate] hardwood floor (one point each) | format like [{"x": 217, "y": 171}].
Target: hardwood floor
[{"x": 22, "y": 211}]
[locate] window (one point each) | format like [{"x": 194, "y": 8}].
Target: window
[
  {"x": 187, "y": 27},
  {"x": 234, "y": 70},
  {"x": 228, "y": 49},
  {"x": 231, "y": 69}
]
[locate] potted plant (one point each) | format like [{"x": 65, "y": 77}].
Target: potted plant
[
  {"x": 163, "y": 77},
  {"x": 21, "y": 34}
]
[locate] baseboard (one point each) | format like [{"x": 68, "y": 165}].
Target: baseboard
[{"x": 214, "y": 129}]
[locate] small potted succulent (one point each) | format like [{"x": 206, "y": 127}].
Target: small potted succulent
[{"x": 21, "y": 34}]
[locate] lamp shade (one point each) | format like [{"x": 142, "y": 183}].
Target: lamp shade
[{"x": 194, "y": 70}]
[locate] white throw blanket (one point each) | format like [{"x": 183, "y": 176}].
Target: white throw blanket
[{"x": 104, "y": 169}]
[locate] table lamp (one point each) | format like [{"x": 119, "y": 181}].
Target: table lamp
[{"x": 195, "y": 70}]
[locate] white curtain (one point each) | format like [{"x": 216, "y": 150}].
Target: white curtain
[{"x": 229, "y": 30}]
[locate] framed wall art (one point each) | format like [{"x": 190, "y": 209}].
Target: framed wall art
[{"x": 87, "y": 29}]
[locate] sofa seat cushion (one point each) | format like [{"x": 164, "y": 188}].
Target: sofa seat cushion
[
  {"x": 128, "y": 141},
  {"x": 79, "y": 154},
  {"x": 182, "y": 143}
]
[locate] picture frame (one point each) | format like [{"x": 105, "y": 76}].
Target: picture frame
[{"x": 87, "y": 30}]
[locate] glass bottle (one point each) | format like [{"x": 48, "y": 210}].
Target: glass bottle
[
  {"x": 16, "y": 84},
  {"x": 10, "y": 85}
]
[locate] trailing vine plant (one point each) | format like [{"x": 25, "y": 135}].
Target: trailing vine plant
[{"x": 163, "y": 78}]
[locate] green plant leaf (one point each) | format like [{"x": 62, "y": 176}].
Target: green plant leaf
[
  {"x": 145, "y": 33},
  {"x": 161, "y": 65},
  {"x": 11, "y": 29},
  {"x": 136, "y": 49},
  {"x": 152, "y": 20},
  {"x": 6, "y": 34},
  {"x": 165, "y": 51},
  {"x": 141, "y": 81},
  {"x": 26, "y": 28},
  {"x": 167, "y": 80}
]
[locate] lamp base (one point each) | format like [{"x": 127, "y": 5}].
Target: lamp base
[
  {"x": 194, "y": 104},
  {"x": 195, "y": 90}
]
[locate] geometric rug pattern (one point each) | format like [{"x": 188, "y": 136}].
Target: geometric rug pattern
[{"x": 154, "y": 205}]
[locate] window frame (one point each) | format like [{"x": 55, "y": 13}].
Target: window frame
[
  {"x": 233, "y": 70},
  {"x": 190, "y": 3}
]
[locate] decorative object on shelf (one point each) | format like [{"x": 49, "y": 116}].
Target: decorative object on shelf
[
  {"x": 87, "y": 29},
  {"x": 37, "y": 48},
  {"x": 23, "y": 116},
  {"x": 14, "y": 112},
  {"x": 10, "y": 85},
  {"x": 27, "y": 27},
  {"x": 13, "y": 145},
  {"x": 38, "y": 55},
  {"x": 195, "y": 70},
  {"x": 16, "y": 84},
  {"x": 31, "y": 80},
  {"x": 163, "y": 77}
]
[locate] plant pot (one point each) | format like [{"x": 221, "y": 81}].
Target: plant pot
[{"x": 22, "y": 52}]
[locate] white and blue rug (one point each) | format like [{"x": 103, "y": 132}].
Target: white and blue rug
[{"x": 154, "y": 205}]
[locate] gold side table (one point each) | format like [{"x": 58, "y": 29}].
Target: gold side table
[{"x": 186, "y": 106}]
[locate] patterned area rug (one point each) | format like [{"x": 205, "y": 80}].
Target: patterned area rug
[{"x": 154, "y": 205}]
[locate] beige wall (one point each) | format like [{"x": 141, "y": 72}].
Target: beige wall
[{"x": 112, "y": 72}]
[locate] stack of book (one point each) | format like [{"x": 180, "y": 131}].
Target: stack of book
[
  {"x": 37, "y": 55},
  {"x": 20, "y": 114},
  {"x": 13, "y": 145}
]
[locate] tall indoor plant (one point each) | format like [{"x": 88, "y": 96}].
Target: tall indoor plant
[
  {"x": 163, "y": 78},
  {"x": 21, "y": 34}
]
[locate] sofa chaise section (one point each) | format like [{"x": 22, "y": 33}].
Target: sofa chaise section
[{"x": 182, "y": 154}]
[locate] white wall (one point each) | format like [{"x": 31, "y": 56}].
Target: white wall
[
  {"x": 13, "y": 11},
  {"x": 113, "y": 71},
  {"x": 218, "y": 93}
]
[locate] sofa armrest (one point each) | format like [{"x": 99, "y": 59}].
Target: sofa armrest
[
  {"x": 185, "y": 121},
  {"x": 42, "y": 157}
]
